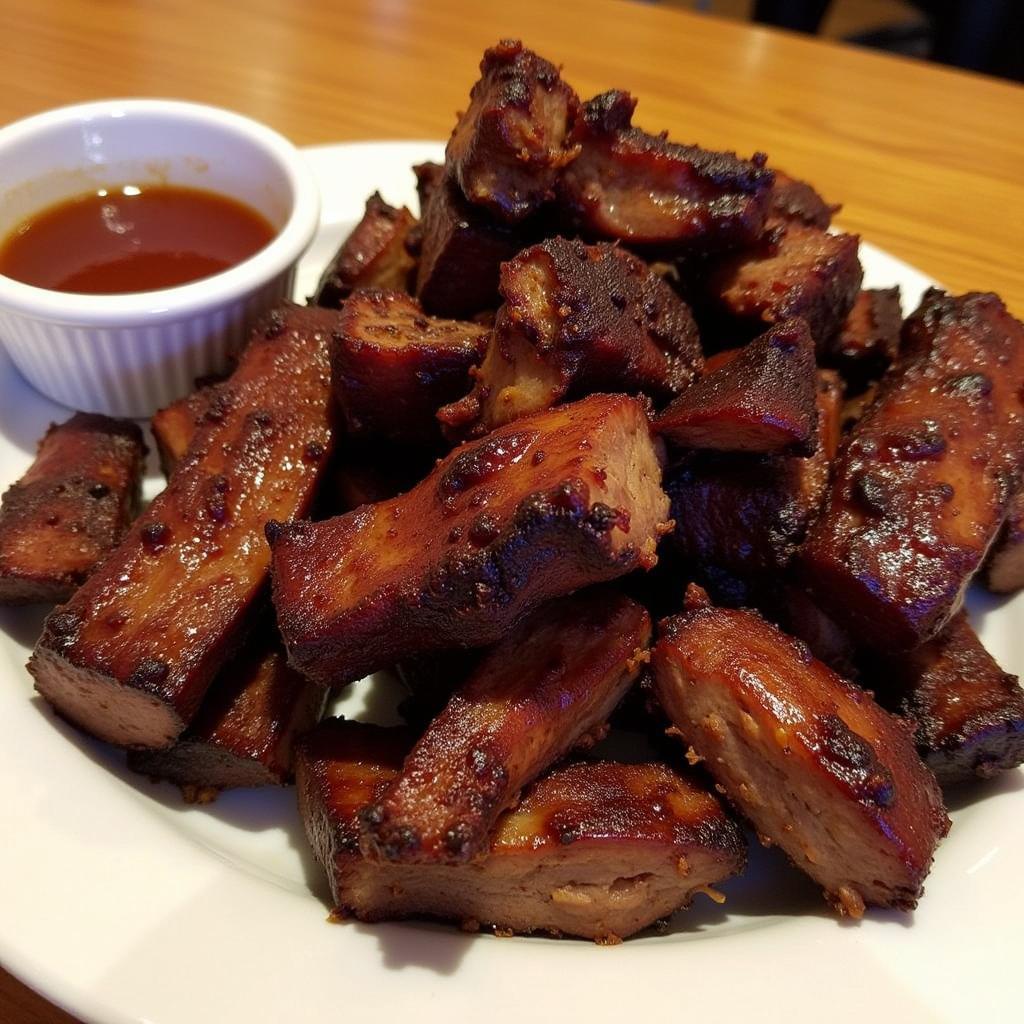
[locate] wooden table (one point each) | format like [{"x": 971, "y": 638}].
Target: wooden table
[{"x": 926, "y": 161}]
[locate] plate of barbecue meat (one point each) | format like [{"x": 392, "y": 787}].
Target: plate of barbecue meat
[{"x": 605, "y": 548}]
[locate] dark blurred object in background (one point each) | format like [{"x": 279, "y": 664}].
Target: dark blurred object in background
[{"x": 981, "y": 35}]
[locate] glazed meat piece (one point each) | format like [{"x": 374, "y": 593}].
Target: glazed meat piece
[
  {"x": 461, "y": 249},
  {"x": 507, "y": 148},
  {"x": 869, "y": 340},
  {"x": 795, "y": 270},
  {"x": 373, "y": 256},
  {"x": 394, "y": 366},
  {"x": 130, "y": 657},
  {"x": 552, "y": 503},
  {"x": 245, "y": 730},
  {"x": 924, "y": 480},
  {"x": 577, "y": 319},
  {"x": 968, "y": 714},
  {"x": 597, "y": 850},
  {"x": 176, "y": 424},
  {"x": 643, "y": 190},
  {"x": 740, "y": 516},
  {"x": 1004, "y": 570},
  {"x": 548, "y": 687},
  {"x": 69, "y": 510},
  {"x": 817, "y": 767},
  {"x": 763, "y": 400},
  {"x": 792, "y": 199}
]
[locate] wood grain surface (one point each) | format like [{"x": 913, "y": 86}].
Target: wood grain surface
[{"x": 927, "y": 162}]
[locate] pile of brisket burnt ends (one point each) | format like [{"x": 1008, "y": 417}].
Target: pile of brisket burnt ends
[{"x": 608, "y": 437}]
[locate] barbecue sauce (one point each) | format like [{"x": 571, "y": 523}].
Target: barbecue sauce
[{"x": 132, "y": 239}]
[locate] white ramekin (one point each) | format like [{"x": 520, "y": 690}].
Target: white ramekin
[{"x": 128, "y": 355}]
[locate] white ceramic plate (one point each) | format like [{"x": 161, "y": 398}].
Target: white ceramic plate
[{"x": 122, "y": 904}]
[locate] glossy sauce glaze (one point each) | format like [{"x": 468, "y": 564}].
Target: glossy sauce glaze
[{"x": 130, "y": 239}]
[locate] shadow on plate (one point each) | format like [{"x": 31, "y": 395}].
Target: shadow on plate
[
  {"x": 24, "y": 624},
  {"x": 968, "y": 793}
]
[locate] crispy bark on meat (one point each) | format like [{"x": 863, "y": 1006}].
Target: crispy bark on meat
[
  {"x": 548, "y": 687},
  {"x": 924, "y": 480},
  {"x": 552, "y": 503},
  {"x": 245, "y": 731},
  {"x": 641, "y": 189},
  {"x": 597, "y": 850},
  {"x": 509, "y": 145},
  {"x": 869, "y": 341},
  {"x": 739, "y": 515},
  {"x": 394, "y": 366},
  {"x": 794, "y": 270},
  {"x": 461, "y": 249},
  {"x": 792, "y": 199},
  {"x": 812, "y": 761},
  {"x": 374, "y": 255},
  {"x": 130, "y": 657},
  {"x": 967, "y": 713},
  {"x": 1004, "y": 570},
  {"x": 762, "y": 400},
  {"x": 69, "y": 510},
  {"x": 176, "y": 424},
  {"x": 577, "y": 319}
]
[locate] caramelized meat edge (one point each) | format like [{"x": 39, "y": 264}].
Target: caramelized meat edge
[
  {"x": 762, "y": 400},
  {"x": 968, "y": 714},
  {"x": 374, "y": 255},
  {"x": 577, "y": 319},
  {"x": 598, "y": 850},
  {"x": 393, "y": 366},
  {"x": 817, "y": 767},
  {"x": 793, "y": 271},
  {"x": 538, "y": 509},
  {"x": 643, "y": 190},
  {"x": 245, "y": 731},
  {"x": 507, "y": 148},
  {"x": 546, "y": 688},
  {"x": 69, "y": 510},
  {"x": 925, "y": 478},
  {"x": 130, "y": 657}
]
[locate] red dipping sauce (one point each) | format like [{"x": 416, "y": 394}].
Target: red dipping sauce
[{"x": 132, "y": 239}]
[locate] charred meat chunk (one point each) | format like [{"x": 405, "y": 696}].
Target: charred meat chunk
[
  {"x": 597, "y": 850},
  {"x": 740, "y": 516},
  {"x": 967, "y": 713},
  {"x": 176, "y": 424},
  {"x": 549, "y": 686},
  {"x": 647, "y": 192},
  {"x": 794, "y": 270},
  {"x": 393, "y": 366},
  {"x": 552, "y": 503},
  {"x": 245, "y": 731},
  {"x": 925, "y": 478},
  {"x": 869, "y": 341},
  {"x": 577, "y": 319},
  {"x": 763, "y": 400},
  {"x": 69, "y": 510},
  {"x": 792, "y": 199},
  {"x": 818, "y": 768},
  {"x": 374, "y": 255},
  {"x": 130, "y": 657},
  {"x": 508, "y": 147},
  {"x": 1004, "y": 570},
  {"x": 461, "y": 249}
]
